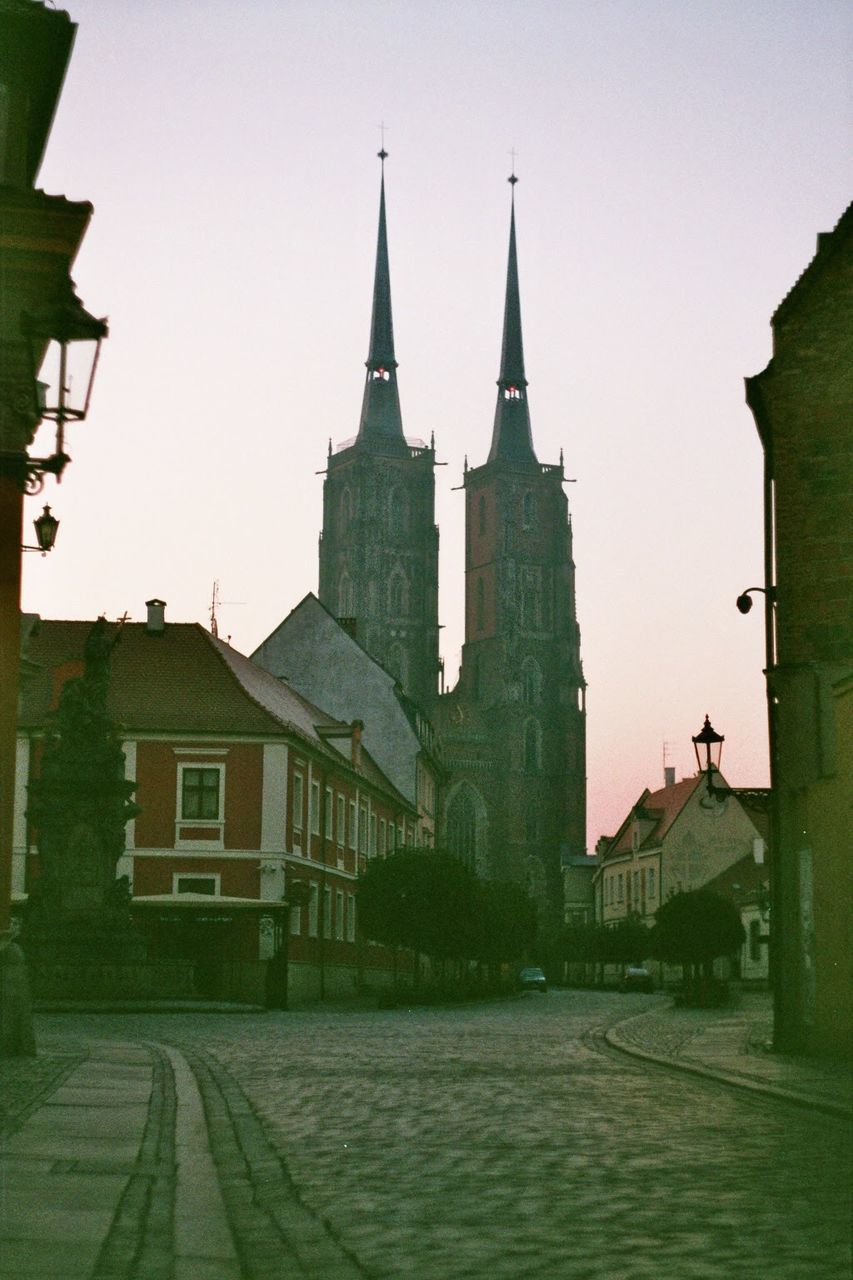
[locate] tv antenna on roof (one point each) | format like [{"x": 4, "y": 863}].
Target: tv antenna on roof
[{"x": 215, "y": 602}]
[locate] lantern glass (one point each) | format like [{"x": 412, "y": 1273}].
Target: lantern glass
[
  {"x": 46, "y": 526},
  {"x": 708, "y": 745},
  {"x": 66, "y": 375}
]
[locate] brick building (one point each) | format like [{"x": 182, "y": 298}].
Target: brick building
[
  {"x": 511, "y": 734},
  {"x": 244, "y": 787},
  {"x": 513, "y": 729},
  {"x": 803, "y": 409}
]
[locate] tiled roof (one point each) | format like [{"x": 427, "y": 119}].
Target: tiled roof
[
  {"x": 179, "y": 681},
  {"x": 662, "y": 807}
]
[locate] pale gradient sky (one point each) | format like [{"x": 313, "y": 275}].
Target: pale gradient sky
[{"x": 676, "y": 162}]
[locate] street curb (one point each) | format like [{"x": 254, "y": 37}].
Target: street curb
[
  {"x": 145, "y": 1006},
  {"x": 724, "y": 1077}
]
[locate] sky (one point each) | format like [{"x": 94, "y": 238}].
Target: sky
[{"x": 676, "y": 161}]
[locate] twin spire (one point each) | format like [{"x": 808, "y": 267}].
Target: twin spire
[{"x": 381, "y": 422}]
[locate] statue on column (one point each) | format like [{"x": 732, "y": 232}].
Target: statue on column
[{"x": 79, "y": 806}]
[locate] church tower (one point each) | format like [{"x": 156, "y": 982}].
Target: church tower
[
  {"x": 514, "y": 728},
  {"x": 379, "y": 545}
]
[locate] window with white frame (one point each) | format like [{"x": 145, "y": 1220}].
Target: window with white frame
[
  {"x": 201, "y": 792},
  {"x": 620, "y": 888},
  {"x": 373, "y": 835},
  {"x": 650, "y": 882},
  {"x": 298, "y": 806},
  {"x": 340, "y": 829},
  {"x": 208, "y": 885},
  {"x": 200, "y": 805},
  {"x": 362, "y": 829},
  {"x": 296, "y": 921},
  {"x": 313, "y": 909},
  {"x": 315, "y": 808},
  {"x": 392, "y": 836},
  {"x": 382, "y": 837},
  {"x": 350, "y": 917},
  {"x": 327, "y": 912},
  {"x": 353, "y": 825},
  {"x": 328, "y": 814},
  {"x": 339, "y": 915}
]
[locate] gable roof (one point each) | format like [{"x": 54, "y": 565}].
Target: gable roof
[
  {"x": 181, "y": 680},
  {"x": 315, "y": 654},
  {"x": 661, "y": 808}
]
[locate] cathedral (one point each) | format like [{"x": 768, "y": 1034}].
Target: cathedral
[{"x": 511, "y": 733}]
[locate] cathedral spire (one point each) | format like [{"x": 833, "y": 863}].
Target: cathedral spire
[
  {"x": 380, "y": 410},
  {"x": 511, "y": 438}
]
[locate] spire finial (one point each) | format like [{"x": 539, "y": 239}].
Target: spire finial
[
  {"x": 380, "y": 410},
  {"x": 382, "y": 153},
  {"x": 511, "y": 438}
]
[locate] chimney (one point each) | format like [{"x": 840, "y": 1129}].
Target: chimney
[
  {"x": 155, "y": 623},
  {"x": 355, "y": 750},
  {"x": 669, "y": 775}
]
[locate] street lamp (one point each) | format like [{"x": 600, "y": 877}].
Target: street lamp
[
  {"x": 710, "y": 744},
  {"x": 46, "y": 526},
  {"x": 59, "y": 334}
]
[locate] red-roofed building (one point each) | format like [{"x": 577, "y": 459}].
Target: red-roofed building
[
  {"x": 674, "y": 840},
  {"x": 244, "y": 787}
]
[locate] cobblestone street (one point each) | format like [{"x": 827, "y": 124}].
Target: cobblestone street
[{"x": 495, "y": 1141}]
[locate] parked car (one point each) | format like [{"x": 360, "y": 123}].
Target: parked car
[
  {"x": 532, "y": 979},
  {"x": 635, "y": 978}
]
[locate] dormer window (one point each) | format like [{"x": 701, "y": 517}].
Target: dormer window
[
  {"x": 380, "y": 373},
  {"x": 512, "y": 393}
]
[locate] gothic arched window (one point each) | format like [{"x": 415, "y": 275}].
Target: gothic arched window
[
  {"x": 462, "y": 827},
  {"x": 397, "y": 664},
  {"x": 531, "y": 681},
  {"x": 532, "y": 746},
  {"x": 398, "y": 511},
  {"x": 345, "y": 596},
  {"x": 528, "y": 510},
  {"x": 398, "y": 595}
]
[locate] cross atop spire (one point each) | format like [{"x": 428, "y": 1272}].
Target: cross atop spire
[
  {"x": 511, "y": 438},
  {"x": 380, "y": 409}
]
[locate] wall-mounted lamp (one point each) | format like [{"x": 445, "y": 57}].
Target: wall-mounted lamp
[
  {"x": 744, "y": 601},
  {"x": 45, "y": 526},
  {"x": 60, "y": 328}
]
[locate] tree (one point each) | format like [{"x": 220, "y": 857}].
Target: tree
[
  {"x": 693, "y": 929},
  {"x": 508, "y": 921},
  {"x": 432, "y": 902}
]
